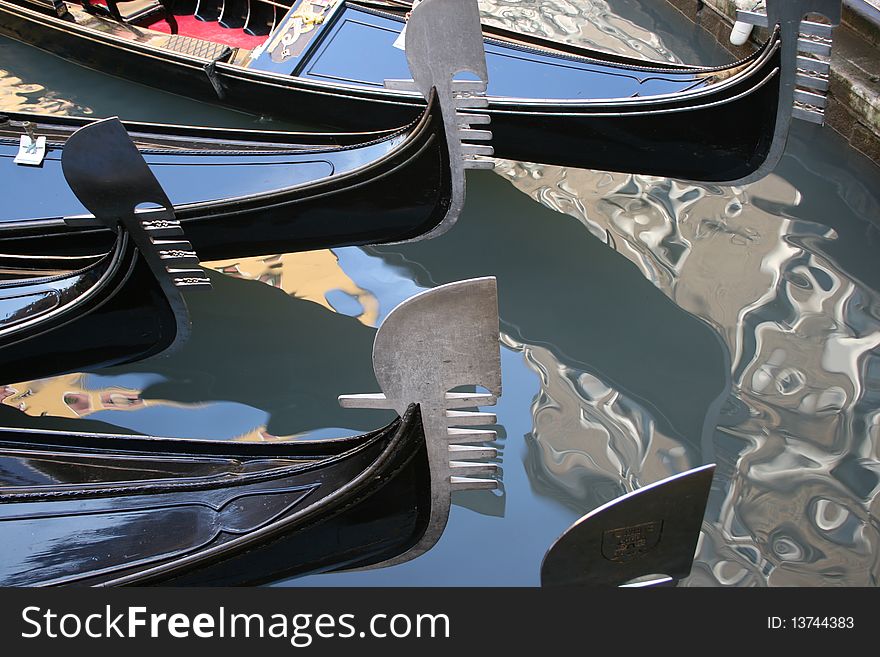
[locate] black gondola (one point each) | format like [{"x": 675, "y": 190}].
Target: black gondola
[
  {"x": 103, "y": 508},
  {"x": 548, "y": 102},
  {"x": 64, "y": 313},
  {"x": 244, "y": 192},
  {"x": 111, "y": 508}
]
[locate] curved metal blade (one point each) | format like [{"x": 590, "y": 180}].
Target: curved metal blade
[
  {"x": 444, "y": 38},
  {"x": 110, "y": 178},
  {"x": 651, "y": 533},
  {"x": 431, "y": 343},
  {"x": 108, "y": 174},
  {"x": 795, "y": 36}
]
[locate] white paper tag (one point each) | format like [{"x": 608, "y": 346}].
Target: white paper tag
[
  {"x": 31, "y": 152},
  {"x": 400, "y": 41}
]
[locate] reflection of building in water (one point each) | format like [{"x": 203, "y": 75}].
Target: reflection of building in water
[
  {"x": 311, "y": 276},
  {"x": 590, "y": 443},
  {"x": 590, "y": 23},
  {"x": 801, "y": 502},
  {"x": 18, "y": 96},
  {"x": 67, "y": 396}
]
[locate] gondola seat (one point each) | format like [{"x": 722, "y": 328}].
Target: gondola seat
[{"x": 134, "y": 11}]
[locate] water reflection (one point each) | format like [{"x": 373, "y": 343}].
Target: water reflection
[
  {"x": 251, "y": 370},
  {"x": 773, "y": 269},
  {"x": 651, "y": 326},
  {"x": 625, "y": 27}
]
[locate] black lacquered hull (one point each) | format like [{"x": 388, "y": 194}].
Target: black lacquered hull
[
  {"x": 724, "y": 139},
  {"x": 122, "y": 316},
  {"x": 713, "y": 136},
  {"x": 401, "y": 190},
  {"x": 112, "y": 510}
]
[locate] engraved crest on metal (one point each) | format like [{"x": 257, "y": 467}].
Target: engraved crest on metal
[{"x": 627, "y": 543}]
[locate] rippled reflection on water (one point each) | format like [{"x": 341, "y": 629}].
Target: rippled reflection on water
[
  {"x": 797, "y": 444},
  {"x": 649, "y": 326}
]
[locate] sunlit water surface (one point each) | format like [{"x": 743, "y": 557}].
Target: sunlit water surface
[{"x": 648, "y": 326}]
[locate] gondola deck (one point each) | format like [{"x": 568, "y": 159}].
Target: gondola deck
[
  {"x": 243, "y": 193},
  {"x": 550, "y": 103}
]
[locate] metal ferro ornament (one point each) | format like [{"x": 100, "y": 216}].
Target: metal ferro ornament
[
  {"x": 806, "y": 64},
  {"x": 646, "y": 537},
  {"x": 444, "y": 38},
  {"x": 109, "y": 176},
  {"x": 434, "y": 342}
]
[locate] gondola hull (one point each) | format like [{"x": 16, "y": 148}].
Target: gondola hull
[
  {"x": 279, "y": 200},
  {"x": 125, "y": 316},
  {"x": 136, "y": 510},
  {"x": 631, "y": 134}
]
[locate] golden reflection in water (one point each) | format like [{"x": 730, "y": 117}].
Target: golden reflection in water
[
  {"x": 310, "y": 276},
  {"x": 802, "y": 504},
  {"x": 16, "y": 95},
  {"x": 66, "y": 396}
]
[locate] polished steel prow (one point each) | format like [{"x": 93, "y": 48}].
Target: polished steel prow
[
  {"x": 444, "y": 39},
  {"x": 110, "y": 178},
  {"x": 645, "y": 538},
  {"x": 806, "y": 65},
  {"x": 434, "y": 342}
]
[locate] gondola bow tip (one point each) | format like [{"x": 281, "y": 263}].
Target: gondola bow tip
[{"x": 427, "y": 349}]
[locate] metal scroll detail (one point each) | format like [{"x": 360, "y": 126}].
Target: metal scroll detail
[
  {"x": 430, "y": 344},
  {"x": 644, "y": 538},
  {"x": 111, "y": 179},
  {"x": 444, "y": 38},
  {"x": 806, "y": 65}
]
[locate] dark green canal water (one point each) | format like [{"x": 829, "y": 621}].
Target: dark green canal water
[{"x": 648, "y": 326}]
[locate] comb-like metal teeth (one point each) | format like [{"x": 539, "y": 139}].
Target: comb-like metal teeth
[
  {"x": 807, "y": 98},
  {"x": 810, "y": 28},
  {"x": 189, "y": 278},
  {"x": 470, "y": 100},
  {"x": 162, "y": 228},
  {"x": 470, "y": 418},
  {"x": 813, "y": 65},
  {"x": 367, "y": 400},
  {"x": 474, "y": 163},
  {"x": 475, "y": 135},
  {"x": 471, "y": 468},
  {"x": 809, "y": 115},
  {"x": 751, "y": 18},
  {"x": 812, "y": 81},
  {"x": 474, "y": 155},
  {"x": 816, "y": 46},
  {"x": 469, "y": 399},
  {"x": 471, "y": 453},
  {"x": 477, "y": 149},
  {"x": 178, "y": 253},
  {"x": 467, "y": 120},
  {"x": 401, "y": 85},
  {"x": 457, "y": 435},
  {"x": 468, "y": 483},
  {"x": 378, "y": 400}
]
